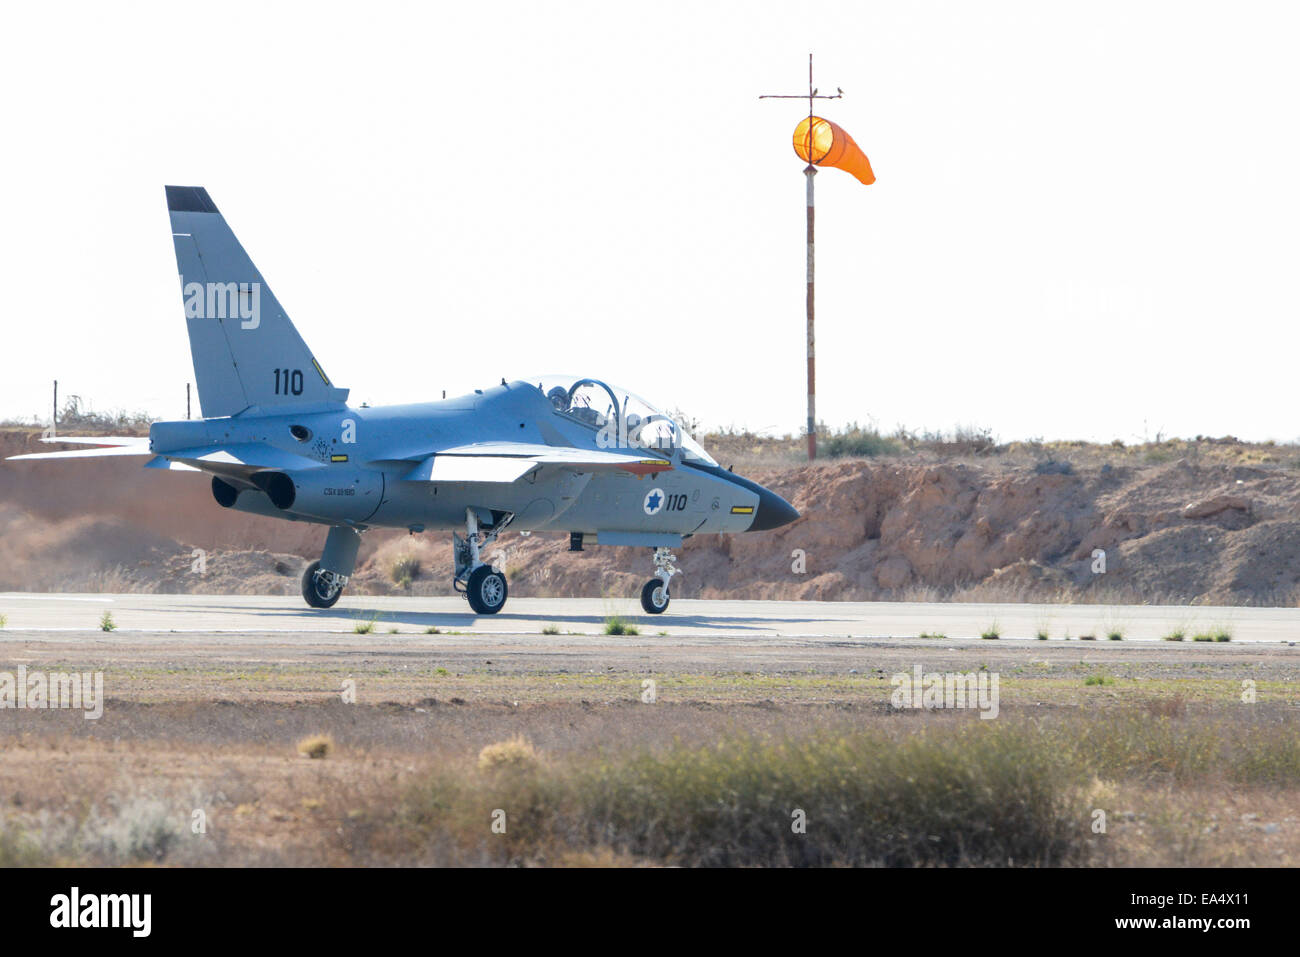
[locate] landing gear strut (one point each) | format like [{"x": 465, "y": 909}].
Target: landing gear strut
[
  {"x": 654, "y": 594},
  {"x": 323, "y": 581},
  {"x": 483, "y": 585}
]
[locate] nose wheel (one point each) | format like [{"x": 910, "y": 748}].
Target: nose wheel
[
  {"x": 655, "y": 597},
  {"x": 654, "y": 593}
]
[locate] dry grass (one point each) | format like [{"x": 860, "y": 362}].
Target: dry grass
[
  {"x": 404, "y": 570},
  {"x": 687, "y": 784},
  {"x": 316, "y": 747},
  {"x": 586, "y": 774},
  {"x": 515, "y": 754}
]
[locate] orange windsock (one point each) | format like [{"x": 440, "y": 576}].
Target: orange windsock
[{"x": 822, "y": 143}]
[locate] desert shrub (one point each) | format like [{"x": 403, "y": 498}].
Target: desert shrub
[
  {"x": 17, "y": 850},
  {"x": 857, "y": 441},
  {"x": 139, "y": 830},
  {"x": 978, "y": 795},
  {"x": 404, "y": 570},
  {"x": 317, "y": 746},
  {"x": 513, "y": 754},
  {"x": 1133, "y": 743}
]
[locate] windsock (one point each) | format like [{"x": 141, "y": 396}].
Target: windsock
[{"x": 822, "y": 143}]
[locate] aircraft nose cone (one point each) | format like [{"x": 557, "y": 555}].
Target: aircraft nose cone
[{"x": 772, "y": 512}]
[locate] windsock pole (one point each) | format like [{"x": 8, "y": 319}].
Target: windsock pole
[
  {"x": 811, "y": 96},
  {"x": 810, "y": 172}
]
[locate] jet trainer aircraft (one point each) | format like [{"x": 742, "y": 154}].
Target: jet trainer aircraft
[{"x": 556, "y": 453}]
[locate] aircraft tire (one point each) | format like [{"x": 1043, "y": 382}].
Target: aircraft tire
[
  {"x": 311, "y": 591},
  {"x": 486, "y": 590},
  {"x": 652, "y": 593}
]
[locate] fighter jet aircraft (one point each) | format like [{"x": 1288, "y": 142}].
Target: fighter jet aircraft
[{"x": 553, "y": 453}]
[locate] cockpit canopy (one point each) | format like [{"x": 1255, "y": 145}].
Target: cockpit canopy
[{"x": 621, "y": 419}]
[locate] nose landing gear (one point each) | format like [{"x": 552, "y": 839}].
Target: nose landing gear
[{"x": 654, "y": 594}]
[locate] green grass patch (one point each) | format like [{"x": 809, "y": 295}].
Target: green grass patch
[
  {"x": 617, "y": 625},
  {"x": 106, "y": 622}
]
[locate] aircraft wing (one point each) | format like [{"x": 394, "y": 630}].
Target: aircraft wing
[{"x": 511, "y": 461}]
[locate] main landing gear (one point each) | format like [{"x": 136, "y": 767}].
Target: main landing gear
[
  {"x": 654, "y": 594},
  {"x": 321, "y": 588},
  {"x": 483, "y": 585},
  {"x": 323, "y": 581}
]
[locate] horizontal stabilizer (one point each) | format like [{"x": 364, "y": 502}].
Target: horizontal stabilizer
[
  {"x": 117, "y": 450},
  {"x": 239, "y": 459},
  {"x": 100, "y": 440}
]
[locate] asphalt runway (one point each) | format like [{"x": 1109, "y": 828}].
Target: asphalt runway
[{"x": 32, "y": 615}]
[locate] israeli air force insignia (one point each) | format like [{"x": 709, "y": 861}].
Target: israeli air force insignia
[{"x": 654, "y": 501}]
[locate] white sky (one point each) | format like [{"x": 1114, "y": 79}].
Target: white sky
[{"x": 1084, "y": 225}]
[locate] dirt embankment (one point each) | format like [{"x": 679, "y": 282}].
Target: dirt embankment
[{"x": 1176, "y": 532}]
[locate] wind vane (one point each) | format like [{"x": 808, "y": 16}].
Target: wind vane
[{"x": 820, "y": 142}]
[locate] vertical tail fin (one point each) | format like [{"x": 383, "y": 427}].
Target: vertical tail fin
[{"x": 246, "y": 351}]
